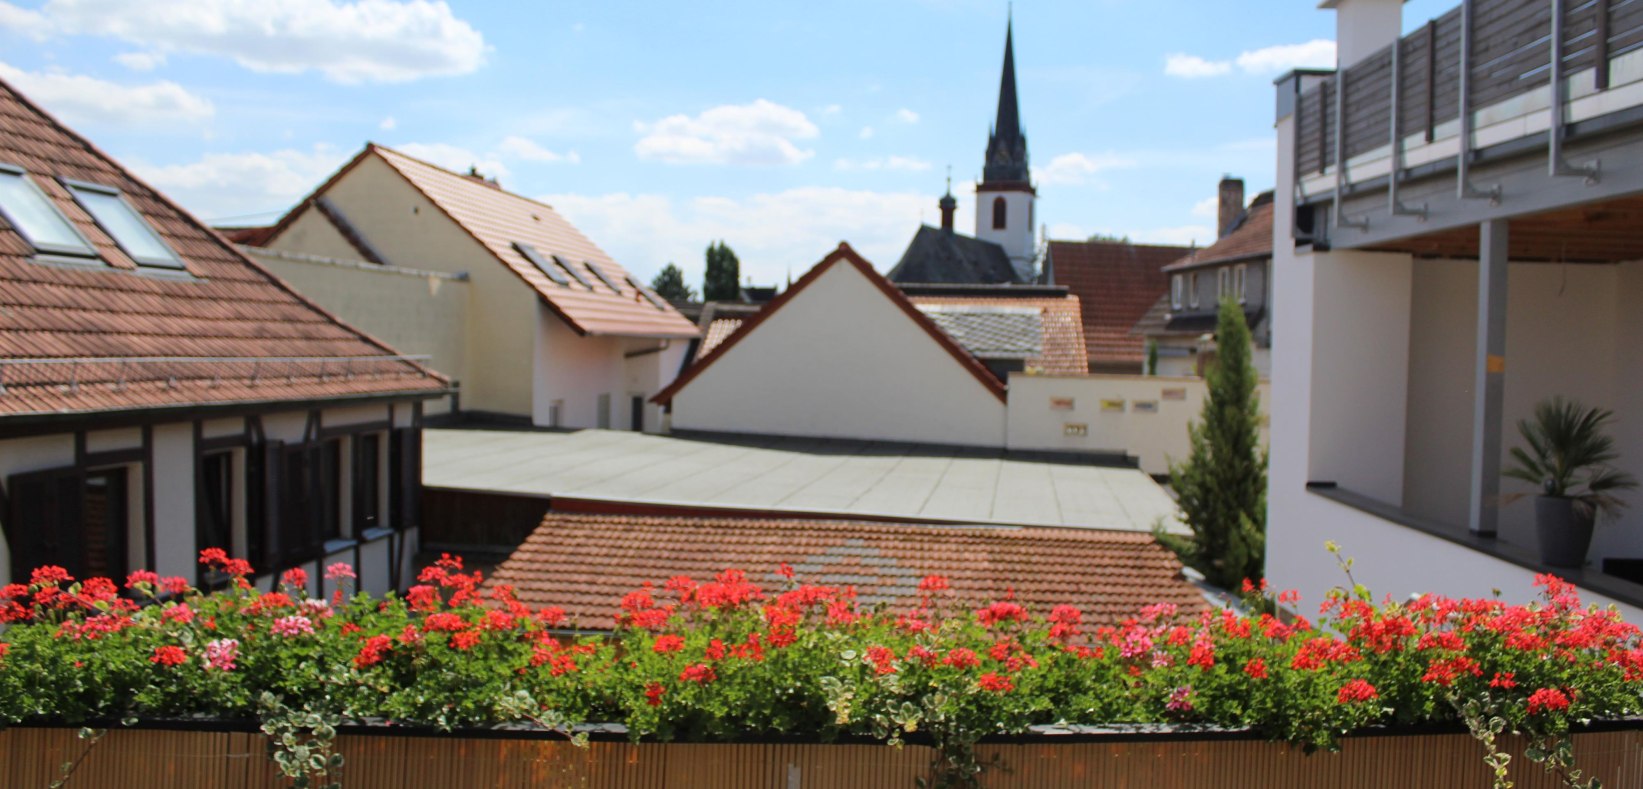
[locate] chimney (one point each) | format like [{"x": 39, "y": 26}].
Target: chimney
[
  {"x": 1363, "y": 27},
  {"x": 1231, "y": 204},
  {"x": 948, "y": 206}
]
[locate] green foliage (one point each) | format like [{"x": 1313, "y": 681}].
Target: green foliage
[
  {"x": 1111, "y": 238},
  {"x": 1568, "y": 454},
  {"x": 1152, "y": 357},
  {"x": 1222, "y": 484},
  {"x": 670, "y": 284},
  {"x": 723, "y": 279}
]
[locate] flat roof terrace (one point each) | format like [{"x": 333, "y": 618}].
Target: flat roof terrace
[{"x": 821, "y": 477}]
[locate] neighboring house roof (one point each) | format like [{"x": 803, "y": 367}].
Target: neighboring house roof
[
  {"x": 586, "y": 563},
  {"x": 498, "y": 220},
  {"x": 937, "y": 256},
  {"x": 846, "y": 256},
  {"x": 991, "y": 326},
  {"x": 125, "y": 337},
  {"x": 1116, "y": 283},
  {"x": 719, "y": 320},
  {"x": 249, "y": 236},
  {"x": 1249, "y": 239},
  {"x": 1155, "y": 323}
]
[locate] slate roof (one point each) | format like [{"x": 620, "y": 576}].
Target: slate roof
[
  {"x": 1249, "y": 239},
  {"x": 1116, "y": 282},
  {"x": 584, "y": 563},
  {"x": 1058, "y": 348},
  {"x": 497, "y": 219},
  {"x": 162, "y": 332},
  {"x": 845, "y": 255},
  {"x": 935, "y": 255}
]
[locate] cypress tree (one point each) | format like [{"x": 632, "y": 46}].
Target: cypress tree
[
  {"x": 722, "y": 280},
  {"x": 1222, "y": 485}
]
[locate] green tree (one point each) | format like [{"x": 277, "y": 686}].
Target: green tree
[
  {"x": 1152, "y": 357},
  {"x": 670, "y": 284},
  {"x": 1222, "y": 485},
  {"x": 722, "y": 281}
]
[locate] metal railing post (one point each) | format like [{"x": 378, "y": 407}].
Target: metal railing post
[
  {"x": 1555, "y": 164},
  {"x": 1463, "y": 161}
]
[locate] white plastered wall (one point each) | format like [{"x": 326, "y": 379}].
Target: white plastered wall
[
  {"x": 840, "y": 360},
  {"x": 574, "y": 371},
  {"x": 1018, "y": 234}
]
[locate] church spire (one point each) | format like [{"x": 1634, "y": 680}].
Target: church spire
[{"x": 1007, "y": 146}]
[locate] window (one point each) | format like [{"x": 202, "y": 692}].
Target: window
[
  {"x": 1223, "y": 283},
  {"x": 31, "y": 214},
  {"x": 309, "y": 511},
  {"x": 599, "y": 272},
  {"x": 1175, "y": 288},
  {"x": 1240, "y": 283},
  {"x": 214, "y": 520},
  {"x": 328, "y": 490},
  {"x": 573, "y": 272},
  {"x": 603, "y": 422},
  {"x": 542, "y": 264},
  {"x": 367, "y": 488},
  {"x": 655, "y": 300},
  {"x": 1192, "y": 290},
  {"x": 1000, "y": 210},
  {"x": 71, "y": 518},
  {"x": 122, "y": 222}
]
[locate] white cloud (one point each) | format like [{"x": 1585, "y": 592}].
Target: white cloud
[
  {"x": 80, "y": 99},
  {"x": 1317, "y": 53},
  {"x": 906, "y": 115},
  {"x": 388, "y": 123},
  {"x": 348, "y": 42},
  {"x": 140, "y": 61},
  {"x": 521, "y": 148},
  {"x": 772, "y": 233},
  {"x": 1192, "y": 66},
  {"x": 21, "y": 20},
  {"x": 760, "y": 133},
  {"x": 900, "y": 163},
  {"x": 455, "y": 158},
  {"x": 1182, "y": 235},
  {"x": 1207, "y": 208},
  {"x": 235, "y": 184},
  {"x": 866, "y": 133},
  {"x": 1073, "y": 168}
]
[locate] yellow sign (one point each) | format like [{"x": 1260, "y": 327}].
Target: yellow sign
[
  {"x": 1112, "y": 406},
  {"x": 1495, "y": 363}
]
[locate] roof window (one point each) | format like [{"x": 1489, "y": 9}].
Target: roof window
[
  {"x": 542, "y": 264},
  {"x": 603, "y": 277},
  {"x": 31, "y": 214},
  {"x": 573, "y": 272},
  {"x": 655, "y": 300},
  {"x": 122, "y": 222}
]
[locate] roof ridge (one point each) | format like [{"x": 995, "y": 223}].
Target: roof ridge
[{"x": 498, "y": 188}]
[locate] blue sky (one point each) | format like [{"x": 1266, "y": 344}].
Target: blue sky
[{"x": 659, "y": 127}]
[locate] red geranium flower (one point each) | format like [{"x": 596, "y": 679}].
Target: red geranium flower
[
  {"x": 997, "y": 683},
  {"x": 653, "y": 694},
  {"x": 1547, "y": 700},
  {"x": 667, "y": 644},
  {"x": 699, "y": 673},
  {"x": 1355, "y": 691},
  {"x": 169, "y": 656}
]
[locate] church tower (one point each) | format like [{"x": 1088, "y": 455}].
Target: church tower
[{"x": 1004, "y": 198}]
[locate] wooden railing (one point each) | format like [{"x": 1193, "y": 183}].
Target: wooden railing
[
  {"x": 1439, "y": 69},
  {"x": 157, "y": 759}
]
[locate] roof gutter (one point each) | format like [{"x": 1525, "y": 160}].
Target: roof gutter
[{"x": 666, "y": 342}]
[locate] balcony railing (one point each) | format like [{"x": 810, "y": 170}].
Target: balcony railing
[{"x": 1433, "y": 83}]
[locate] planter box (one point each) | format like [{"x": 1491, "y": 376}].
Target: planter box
[{"x": 147, "y": 758}]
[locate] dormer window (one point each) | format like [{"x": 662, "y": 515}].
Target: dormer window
[
  {"x": 122, "y": 223},
  {"x": 32, "y": 215}
]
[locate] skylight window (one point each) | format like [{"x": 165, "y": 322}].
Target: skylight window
[
  {"x": 573, "y": 272},
  {"x": 542, "y": 264},
  {"x": 122, "y": 222},
  {"x": 31, "y": 214},
  {"x": 603, "y": 277},
  {"x": 654, "y": 299}
]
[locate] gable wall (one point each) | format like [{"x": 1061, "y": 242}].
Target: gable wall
[
  {"x": 841, "y": 361},
  {"x": 408, "y": 230}
]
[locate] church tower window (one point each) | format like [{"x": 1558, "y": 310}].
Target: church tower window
[{"x": 999, "y": 211}]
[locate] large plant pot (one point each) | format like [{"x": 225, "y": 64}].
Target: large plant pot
[{"x": 1564, "y": 529}]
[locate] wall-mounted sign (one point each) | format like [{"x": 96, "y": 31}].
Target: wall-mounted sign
[
  {"x": 1061, "y": 404},
  {"x": 1174, "y": 394},
  {"x": 1146, "y": 406},
  {"x": 1075, "y": 429},
  {"x": 1112, "y": 406}
]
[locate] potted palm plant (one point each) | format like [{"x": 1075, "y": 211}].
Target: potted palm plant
[{"x": 1568, "y": 458}]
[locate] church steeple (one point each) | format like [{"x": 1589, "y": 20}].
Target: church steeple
[{"x": 1007, "y": 145}]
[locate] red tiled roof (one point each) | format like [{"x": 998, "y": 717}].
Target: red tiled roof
[
  {"x": 109, "y": 308},
  {"x": 718, "y": 330},
  {"x": 1063, "y": 328},
  {"x": 1250, "y": 240},
  {"x": 1116, "y": 282},
  {"x": 844, "y": 254},
  {"x": 248, "y": 236},
  {"x": 585, "y": 563},
  {"x": 497, "y": 219}
]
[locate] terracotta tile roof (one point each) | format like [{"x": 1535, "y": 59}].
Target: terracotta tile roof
[
  {"x": 1250, "y": 239},
  {"x": 1062, "y": 342},
  {"x": 226, "y": 307},
  {"x": 249, "y": 236},
  {"x": 1117, "y": 283},
  {"x": 847, "y": 256},
  {"x": 497, "y": 219},
  {"x": 717, "y": 331},
  {"x": 585, "y": 563},
  {"x": 719, "y": 320}
]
